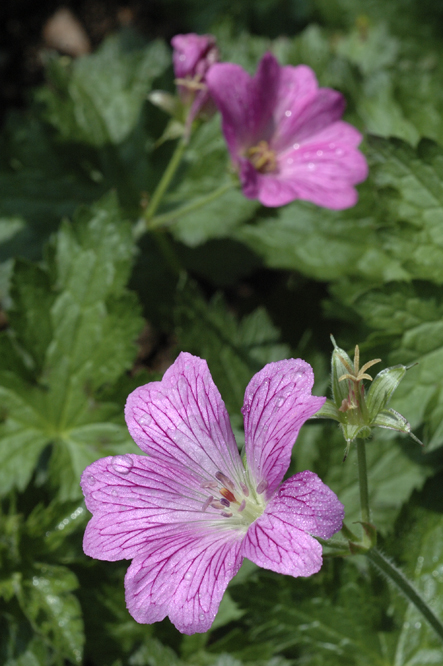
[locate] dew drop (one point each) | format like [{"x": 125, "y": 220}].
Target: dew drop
[
  {"x": 289, "y": 160},
  {"x": 201, "y": 616},
  {"x": 145, "y": 420},
  {"x": 311, "y": 166},
  {"x": 188, "y": 575},
  {"x": 296, "y": 146},
  {"x": 91, "y": 480},
  {"x": 122, "y": 464},
  {"x": 339, "y": 152},
  {"x": 288, "y": 113},
  {"x": 417, "y": 625},
  {"x": 114, "y": 492},
  {"x": 319, "y": 153}
]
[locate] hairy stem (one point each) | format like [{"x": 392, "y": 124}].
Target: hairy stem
[
  {"x": 363, "y": 481},
  {"x": 167, "y": 218},
  {"x": 164, "y": 182},
  {"x": 395, "y": 575}
]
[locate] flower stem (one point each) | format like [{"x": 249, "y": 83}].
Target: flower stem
[
  {"x": 167, "y": 218},
  {"x": 405, "y": 586},
  {"x": 363, "y": 481},
  {"x": 165, "y": 181}
]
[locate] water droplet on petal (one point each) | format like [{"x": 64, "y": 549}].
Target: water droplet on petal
[
  {"x": 296, "y": 146},
  {"x": 288, "y": 113},
  {"x": 417, "y": 625},
  {"x": 122, "y": 464},
  {"x": 91, "y": 479},
  {"x": 311, "y": 166},
  {"x": 319, "y": 153},
  {"x": 188, "y": 575},
  {"x": 201, "y": 616},
  {"x": 339, "y": 152},
  {"x": 144, "y": 420}
]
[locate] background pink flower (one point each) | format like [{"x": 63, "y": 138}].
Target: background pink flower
[
  {"x": 285, "y": 135},
  {"x": 192, "y": 57},
  {"x": 189, "y": 512}
]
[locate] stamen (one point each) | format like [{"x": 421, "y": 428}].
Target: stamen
[
  {"x": 245, "y": 489},
  {"x": 262, "y": 487},
  {"x": 262, "y": 157},
  {"x": 209, "y": 484},
  {"x": 217, "y": 505},
  {"x": 227, "y": 494},
  {"x": 226, "y": 514},
  {"x": 225, "y": 480},
  {"x": 207, "y": 503},
  {"x": 225, "y": 502},
  {"x": 242, "y": 506}
]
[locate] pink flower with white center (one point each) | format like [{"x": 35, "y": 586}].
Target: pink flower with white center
[
  {"x": 285, "y": 135},
  {"x": 192, "y": 57},
  {"x": 189, "y": 512}
]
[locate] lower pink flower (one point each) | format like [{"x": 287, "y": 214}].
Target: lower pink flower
[
  {"x": 189, "y": 512},
  {"x": 285, "y": 134}
]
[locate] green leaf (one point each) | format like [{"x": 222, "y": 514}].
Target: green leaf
[
  {"x": 97, "y": 99},
  {"x": 234, "y": 349},
  {"x": 53, "y": 611},
  {"x": 326, "y": 244},
  {"x": 423, "y": 555},
  {"x": 74, "y": 324}
]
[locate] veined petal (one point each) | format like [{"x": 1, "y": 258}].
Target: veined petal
[
  {"x": 246, "y": 103},
  {"x": 183, "y": 420},
  {"x": 189, "y": 50},
  {"x": 306, "y": 502},
  {"x": 277, "y": 402},
  {"x": 183, "y": 576},
  {"x": 314, "y": 114},
  {"x": 135, "y": 499},
  {"x": 280, "y": 539},
  {"x": 321, "y": 172}
]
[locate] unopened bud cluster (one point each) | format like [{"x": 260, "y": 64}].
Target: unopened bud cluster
[{"x": 357, "y": 410}]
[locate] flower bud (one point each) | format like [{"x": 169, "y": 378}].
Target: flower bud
[{"x": 192, "y": 57}]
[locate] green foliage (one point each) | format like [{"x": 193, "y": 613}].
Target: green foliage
[{"x": 73, "y": 326}]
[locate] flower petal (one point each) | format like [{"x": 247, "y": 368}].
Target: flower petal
[
  {"x": 311, "y": 114},
  {"x": 183, "y": 420},
  {"x": 184, "y": 576},
  {"x": 246, "y": 103},
  {"x": 135, "y": 499},
  {"x": 279, "y": 539},
  {"x": 277, "y": 402}
]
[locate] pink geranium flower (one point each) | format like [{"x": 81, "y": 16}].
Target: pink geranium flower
[
  {"x": 189, "y": 512},
  {"x": 192, "y": 57},
  {"x": 285, "y": 135}
]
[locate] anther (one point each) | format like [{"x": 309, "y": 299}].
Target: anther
[
  {"x": 225, "y": 480},
  {"x": 209, "y": 484},
  {"x": 217, "y": 505},
  {"x": 242, "y": 506},
  {"x": 245, "y": 489},
  {"x": 227, "y": 494},
  {"x": 225, "y": 502},
  {"x": 262, "y": 486},
  {"x": 207, "y": 503},
  {"x": 226, "y": 514}
]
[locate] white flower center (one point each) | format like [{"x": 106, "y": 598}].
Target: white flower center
[{"x": 242, "y": 503}]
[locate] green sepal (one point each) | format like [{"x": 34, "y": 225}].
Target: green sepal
[
  {"x": 339, "y": 389},
  {"x": 351, "y": 432},
  {"x": 382, "y": 388},
  {"x": 389, "y": 418},
  {"x": 328, "y": 411}
]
